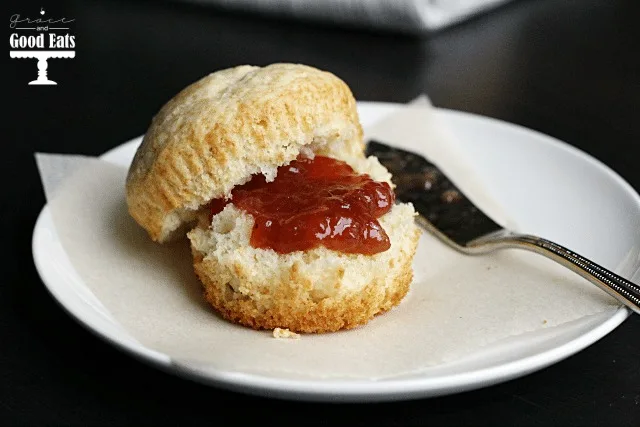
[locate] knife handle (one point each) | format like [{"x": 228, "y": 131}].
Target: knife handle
[{"x": 625, "y": 291}]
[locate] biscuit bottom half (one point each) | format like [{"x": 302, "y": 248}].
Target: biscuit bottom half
[{"x": 312, "y": 291}]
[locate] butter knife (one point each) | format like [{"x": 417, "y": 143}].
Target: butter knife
[{"x": 447, "y": 213}]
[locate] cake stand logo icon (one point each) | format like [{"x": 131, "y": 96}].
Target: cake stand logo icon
[{"x": 42, "y": 38}]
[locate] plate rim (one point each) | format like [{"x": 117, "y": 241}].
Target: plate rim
[{"x": 356, "y": 390}]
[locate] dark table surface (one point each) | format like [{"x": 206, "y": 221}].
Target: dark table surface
[{"x": 570, "y": 69}]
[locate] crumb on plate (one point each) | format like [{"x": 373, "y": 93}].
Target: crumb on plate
[{"x": 285, "y": 333}]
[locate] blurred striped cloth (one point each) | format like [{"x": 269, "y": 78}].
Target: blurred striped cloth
[{"x": 410, "y": 16}]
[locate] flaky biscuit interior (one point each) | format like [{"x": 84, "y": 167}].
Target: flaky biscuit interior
[{"x": 318, "y": 290}]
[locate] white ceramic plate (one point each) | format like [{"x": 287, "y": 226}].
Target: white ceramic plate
[{"x": 603, "y": 212}]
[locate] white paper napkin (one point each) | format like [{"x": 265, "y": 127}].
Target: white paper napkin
[
  {"x": 414, "y": 16},
  {"x": 457, "y": 304}
]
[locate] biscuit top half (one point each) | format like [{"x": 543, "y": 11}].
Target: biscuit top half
[{"x": 218, "y": 132}]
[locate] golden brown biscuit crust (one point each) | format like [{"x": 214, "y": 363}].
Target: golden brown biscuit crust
[
  {"x": 291, "y": 304},
  {"x": 229, "y": 125}
]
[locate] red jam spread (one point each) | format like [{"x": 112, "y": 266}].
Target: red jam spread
[{"x": 313, "y": 202}]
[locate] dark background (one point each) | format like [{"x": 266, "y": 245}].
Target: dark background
[{"x": 570, "y": 69}]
